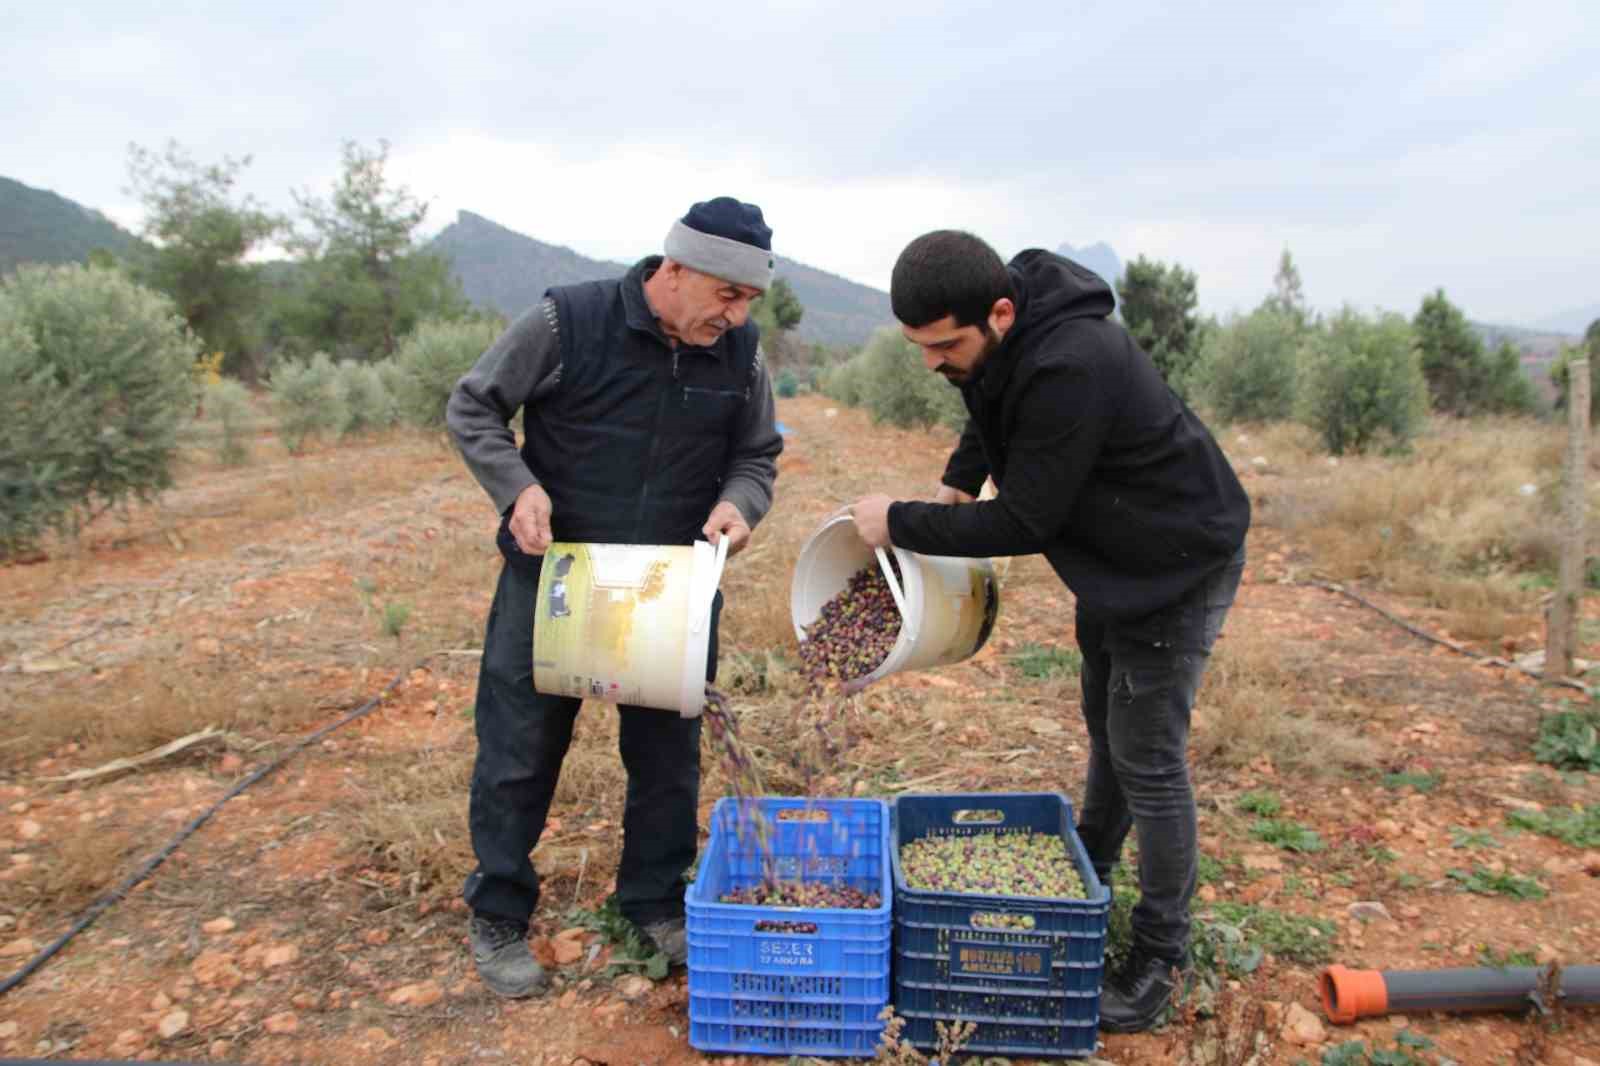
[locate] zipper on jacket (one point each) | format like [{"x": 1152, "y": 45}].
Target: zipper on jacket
[{"x": 655, "y": 447}]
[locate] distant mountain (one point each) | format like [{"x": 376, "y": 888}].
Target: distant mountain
[
  {"x": 1099, "y": 257},
  {"x": 1574, "y": 321},
  {"x": 37, "y": 226},
  {"x": 508, "y": 271}
]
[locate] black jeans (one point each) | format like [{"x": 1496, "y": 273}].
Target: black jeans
[
  {"x": 1139, "y": 684},
  {"x": 523, "y": 736}
]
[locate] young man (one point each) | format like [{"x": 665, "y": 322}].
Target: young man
[
  {"x": 648, "y": 417},
  {"x": 1104, "y": 470}
]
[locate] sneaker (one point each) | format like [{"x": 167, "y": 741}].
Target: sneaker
[
  {"x": 500, "y": 951},
  {"x": 670, "y": 937},
  {"x": 1136, "y": 997}
]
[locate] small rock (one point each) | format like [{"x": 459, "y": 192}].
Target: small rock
[
  {"x": 376, "y": 937},
  {"x": 422, "y": 994},
  {"x": 129, "y": 1042},
  {"x": 567, "y": 950},
  {"x": 19, "y": 807},
  {"x": 230, "y": 763},
  {"x": 306, "y": 1000},
  {"x": 29, "y": 829},
  {"x": 218, "y": 1048},
  {"x": 633, "y": 986},
  {"x": 1387, "y": 827},
  {"x": 378, "y": 1037},
  {"x": 218, "y": 926},
  {"x": 215, "y": 969},
  {"x": 172, "y": 1024},
  {"x": 18, "y": 948},
  {"x": 9, "y": 1030},
  {"x": 1369, "y": 910},
  {"x": 1410, "y": 911},
  {"x": 1207, "y": 893},
  {"x": 1302, "y": 1027},
  {"x": 282, "y": 1023},
  {"x": 1263, "y": 863},
  {"x": 1559, "y": 867},
  {"x": 1546, "y": 955},
  {"x": 1590, "y": 860},
  {"x": 568, "y": 998},
  {"x": 160, "y": 1001},
  {"x": 281, "y": 955},
  {"x": 208, "y": 646}
]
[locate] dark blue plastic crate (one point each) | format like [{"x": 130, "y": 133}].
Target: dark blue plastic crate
[
  {"x": 1029, "y": 992},
  {"x": 790, "y": 980}
]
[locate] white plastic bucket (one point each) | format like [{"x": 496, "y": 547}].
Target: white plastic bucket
[
  {"x": 627, "y": 623},
  {"x": 947, "y": 604}
]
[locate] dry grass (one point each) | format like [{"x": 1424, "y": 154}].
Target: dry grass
[
  {"x": 146, "y": 704},
  {"x": 71, "y": 870},
  {"x": 1460, "y": 522},
  {"x": 409, "y": 814},
  {"x": 1255, "y": 703}
]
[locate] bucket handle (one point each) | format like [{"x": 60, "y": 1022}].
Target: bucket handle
[
  {"x": 894, "y": 583},
  {"x": 702, "y": 618}
]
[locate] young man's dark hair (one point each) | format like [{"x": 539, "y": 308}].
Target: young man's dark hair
[{"x": 947, "y": 272}]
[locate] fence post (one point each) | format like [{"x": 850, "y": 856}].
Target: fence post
[{"x": 1561, "y": 622}]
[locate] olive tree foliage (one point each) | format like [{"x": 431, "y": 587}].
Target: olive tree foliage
[
  {"x": 1362, "y": 386},
  {"x": 94, "y": 386},
  {"x": 1248, "y": 366},
  {"x": 364, "y": 282},
  {"x": 307, "y": 398},
  {"x": 200, "y": 231},
  {"x": 888, "y": 378},
  {"x": 430, "y": 362},
  {"x": 778, "y": 311},
  {"x": 1288, "y": 296},
  {"x": 1158, "y": 304}
]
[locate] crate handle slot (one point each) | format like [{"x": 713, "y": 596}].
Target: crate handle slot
[
  {"x": 774, "y": 925},
  {"x": 978, "y": 816},
  {"x": 1000, "y": 920},
  {"x": 804, "y": 814}
]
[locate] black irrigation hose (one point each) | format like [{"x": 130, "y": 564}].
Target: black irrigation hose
[
  {"x": 102, "y": 904},
  {"x": 1455, "y": 646}
]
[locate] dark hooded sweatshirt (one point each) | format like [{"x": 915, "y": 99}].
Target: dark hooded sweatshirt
[{"x": 1099, "y": 465}]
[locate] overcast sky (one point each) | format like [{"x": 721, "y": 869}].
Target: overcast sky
[{"x": 1393, "y": 146}]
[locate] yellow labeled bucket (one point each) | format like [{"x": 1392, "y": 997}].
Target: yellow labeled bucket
[
  {"x": 947, "y": 604},
  {"x": 627, "y": 623}
]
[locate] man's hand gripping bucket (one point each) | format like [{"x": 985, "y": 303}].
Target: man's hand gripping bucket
[{"x": 947, "y": 604}]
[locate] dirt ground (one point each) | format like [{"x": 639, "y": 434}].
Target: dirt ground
[{"x": 270, "y": 599}]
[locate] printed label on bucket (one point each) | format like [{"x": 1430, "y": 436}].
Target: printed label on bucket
[{"x": 980, "y": 959}]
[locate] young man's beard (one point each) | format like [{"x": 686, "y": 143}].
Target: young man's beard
[{"x": 991, "y": 341}]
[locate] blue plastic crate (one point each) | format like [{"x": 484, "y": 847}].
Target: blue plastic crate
[
  {"x": 790, "y": 980},
  {"x": 1032, "y": 992}
]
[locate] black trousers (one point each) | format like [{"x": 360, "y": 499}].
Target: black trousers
[
  {"x": 523, "y": 737},
  {"x": 1139, "y": 685}
]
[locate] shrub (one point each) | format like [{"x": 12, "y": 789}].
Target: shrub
[
  {"x": 787, "y": 384},
  {"x": 364, "y": 398},
  {"x": 897, "y": 388},
  {"x": 228, "y": 402},
  {"x": 94, "y": 385},
  {"x": 1362, "y": 386},
  {"x": 306, "y": 395},
  {"x": 845, "y": 382},
  {"x": 1570, "y": 740},
  {"x": 431, "y": 360},
  {"x": 1247, "y": 367}
]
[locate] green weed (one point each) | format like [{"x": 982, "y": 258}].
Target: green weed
[
  {"x": 1580, "y": 828},
  {"x": 1288, "y": 936},
  {"x": 395, "y": 616},
  {"x": 1406, "y": 1052},
  {"x": 1421, "y": 780},
  {"x": 1486, "y": 882},
  {"x": 1043, "y": 662},
  {"x": 1570, "y": 740},
  {"x": 629, "y": 951},
  {"x": 1488, "y": 956},
  {"x": 1462, "y": 837},
  {"x": 1265, "y": 804},
  {"x": 1291, "y": 836}
]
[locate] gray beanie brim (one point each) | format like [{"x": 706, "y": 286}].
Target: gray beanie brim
[{"x": 721, "y": 257}]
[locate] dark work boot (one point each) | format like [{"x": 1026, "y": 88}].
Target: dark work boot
[
  {"x": 500, "y": 951},
  {"x": 1136, "y": 997},
  {"x": 670, "y": 937}
]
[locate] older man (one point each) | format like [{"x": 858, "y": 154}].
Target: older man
[{"x": 648, "y": 419}]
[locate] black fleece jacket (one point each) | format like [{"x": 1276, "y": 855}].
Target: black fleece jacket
[{"x": 1099, "y": 464}]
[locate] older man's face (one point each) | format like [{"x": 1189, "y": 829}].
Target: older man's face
[{"x": 705, "y": 307}]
